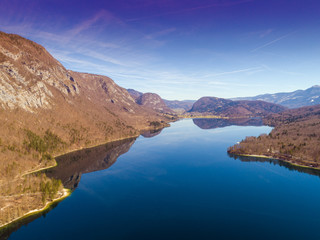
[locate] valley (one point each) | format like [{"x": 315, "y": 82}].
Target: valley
[{"x": 47, "y": 111}]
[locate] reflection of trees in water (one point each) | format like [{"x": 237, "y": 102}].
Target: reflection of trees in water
[
  {"x": 210, "y": 123},
  {"x": 281, "y": 163},
  {"x": 70, "y": 168},
  {"x": 151, "y": 133},
  {"x": 72, "y": 165}
]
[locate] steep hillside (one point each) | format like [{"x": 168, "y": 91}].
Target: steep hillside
[
  {"x": 228, "y": 108},
  {"x": 46, "y": 110},
  {"x": 296, "y": 99},
  {"x": 295, "y": 138}
]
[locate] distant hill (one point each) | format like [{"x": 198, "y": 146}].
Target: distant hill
[
  {"x": 296, "y": 99},
  {"x": 228, "y": 108},
  {"x": 154, "y": 102},
  {"x": 163, "y": 105},
  {"x": 186, "y": 105}
]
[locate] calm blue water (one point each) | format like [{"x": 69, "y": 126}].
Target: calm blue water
[{"x": 181, "y": 184}]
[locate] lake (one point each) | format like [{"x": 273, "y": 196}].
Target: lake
[{"x": 180, "y": 183}]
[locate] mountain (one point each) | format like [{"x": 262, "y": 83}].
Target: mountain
[
  {"x": 296, "y": 99},
  {"x": 153, "y": 101},
  {"x": 228, "y": 108},
  {"x": 184, "y": 105},
  {"x": 150, "y": 100},
  {"x": 47, "y": 110},
  {"x": 175, "y": 106}
]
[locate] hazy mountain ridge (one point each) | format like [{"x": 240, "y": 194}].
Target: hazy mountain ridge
[
  {"x": 296, "y": 99},
  {"x": 228, "y": 108},
  {"x": 186, "y": 105},
  {"x": 174, "y": 105}
]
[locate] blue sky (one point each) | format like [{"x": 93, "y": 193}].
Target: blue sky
[{"x": 179, "y": 49}]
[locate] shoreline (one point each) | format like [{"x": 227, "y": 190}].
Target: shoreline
[
  {"x": 278, "y": 159},
  {"x": 66, "y": 193},
  {"x": 208, "y": 116},
  {"x": 214, "y": 117},
  {"x": 75, "y": 150}
]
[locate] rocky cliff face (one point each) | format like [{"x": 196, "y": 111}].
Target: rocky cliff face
[
  {"x": 228, "y": 108},
  {"x": 33, "y": 81},
  {"x": 27, "y": 71}
]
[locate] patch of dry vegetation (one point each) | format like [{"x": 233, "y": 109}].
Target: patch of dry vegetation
[{"x": 295, "y": 138}]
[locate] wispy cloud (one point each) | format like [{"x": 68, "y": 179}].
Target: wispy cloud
[
  {"x": 103, "y": 14},
  {"x": 245, "y": 70},
  {"x": 272, "y": 42}
]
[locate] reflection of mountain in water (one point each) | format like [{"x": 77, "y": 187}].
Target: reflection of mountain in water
[
  {"x": 277, "y": 162},
  {"x": 72, "y": 165},
  {"x": 151, "y": 133},
  {"x": 210, "y": 123},
  {"x": 70, "y": 168}
]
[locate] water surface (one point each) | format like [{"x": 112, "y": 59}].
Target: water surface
[{"x": 181, "y": 184}]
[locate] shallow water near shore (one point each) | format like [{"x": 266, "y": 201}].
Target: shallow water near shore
[{"x": 180, "y": 184}]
